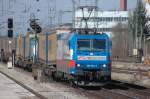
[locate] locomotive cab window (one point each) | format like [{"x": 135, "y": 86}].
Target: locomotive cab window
[
  {"x": 99, "y": 44},
  {"x": 83, "y": 44}
]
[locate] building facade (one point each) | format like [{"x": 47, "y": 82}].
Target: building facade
[{"x": 104, "y": 21}]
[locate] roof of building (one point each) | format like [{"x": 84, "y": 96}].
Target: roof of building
[{"x": 79, "y": 13}]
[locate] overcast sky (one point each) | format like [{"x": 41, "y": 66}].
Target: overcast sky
[
  {"x": 103, "y": 4},
  {"x": 22, "y": 10}
]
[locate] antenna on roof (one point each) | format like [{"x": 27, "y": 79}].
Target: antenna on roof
[{"x": 87, "y": 13}]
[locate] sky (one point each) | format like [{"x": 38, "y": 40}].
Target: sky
[
  {"x": 22, "y": 10},
  {"x": 103, "y": 4}
]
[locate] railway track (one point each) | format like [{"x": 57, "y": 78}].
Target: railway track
[
  {"x": 113, "y": 90},
  {"x": 131, "y": 71},
  {"x": 138, "y": 92},
  {"x": 110, "y": 94},
  {"x": 119, "y": 91},
  {"x": 98, "y": 92}
]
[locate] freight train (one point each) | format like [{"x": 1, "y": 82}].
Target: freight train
[{"x": 82, "y": 59}]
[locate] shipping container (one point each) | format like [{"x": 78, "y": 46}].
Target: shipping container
[
  {"x": 47, "y": 48},
  {"x": 27, "y": 45},
  {"x": 20, "y": 47},
  {"x": 42, "y": 48}
]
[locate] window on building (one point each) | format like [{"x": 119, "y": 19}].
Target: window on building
[
  {"x": 104, "y": 29},
  {"x": 100, "y": 19},
  {"x": 111, "y": 18},
  {"x": 115, "y": 18},
  {"x": 127, "y": 18},
  {"x": 107, "y": 19},
  {"x": 120, "y": 19},
  {"x": 103, "y": 19}
]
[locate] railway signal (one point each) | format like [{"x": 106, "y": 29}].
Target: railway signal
[
  {"x": 35, "y": 26},
  {"x": 10, "y": 33},
  {"x": 10, "y": 23},
  {"x": 10, "y": 27}
]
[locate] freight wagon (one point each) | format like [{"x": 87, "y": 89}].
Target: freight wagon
[
  {"x": 47, "y": 49},
  {"x": 24, "y": 51},
  {"x": 79, "y": 58}
]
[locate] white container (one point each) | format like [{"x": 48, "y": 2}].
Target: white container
[{"x": 9, "y": 65}]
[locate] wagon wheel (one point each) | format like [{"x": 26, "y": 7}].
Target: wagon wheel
[
  {"x": 54, "y": 76},
  {"x": 72, "y": 83}
]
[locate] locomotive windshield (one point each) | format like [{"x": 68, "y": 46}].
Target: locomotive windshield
[
  {"x": 99, "y": 44},
  {"x": 83, "y": 44},
  {"x": 91, "y": 45}
]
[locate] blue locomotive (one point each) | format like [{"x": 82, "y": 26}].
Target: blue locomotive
[{"x": 84, "y": 58}]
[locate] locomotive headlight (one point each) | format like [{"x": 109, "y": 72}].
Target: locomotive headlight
[
  {"x": 78, "y": 65},
  {"x": 104, "y": 65},
  {"x": 72, "y": 72}
]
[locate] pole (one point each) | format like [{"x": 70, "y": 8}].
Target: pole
[
  {"x": 73, "y": 15},
  {"x": 144, "y": 48},
  {"x": 2, "y": 54},
  {"x": 46, "y": 52},
  {"x": 24, "y": 46},
  {"x": 35, "y": 48},
  {"x": 35, "y": 45},
  {"x": 13, "y": 57},
  {"x": 136, "y": 45},
  {"x": 2, "y": 7}
]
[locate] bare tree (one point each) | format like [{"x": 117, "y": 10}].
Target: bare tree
[
  {"x": 137, "y": 24},
  {"x": 120, "y": 41}
]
